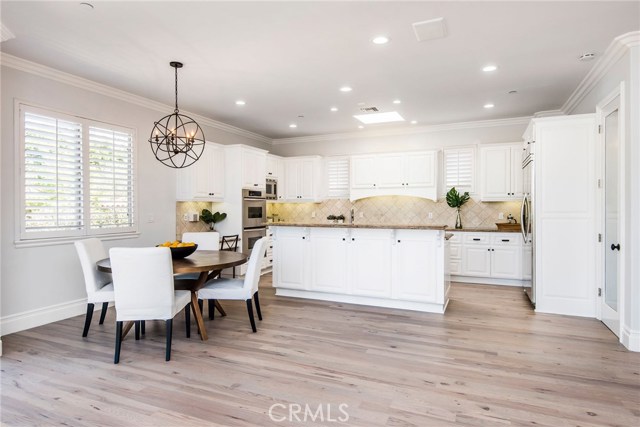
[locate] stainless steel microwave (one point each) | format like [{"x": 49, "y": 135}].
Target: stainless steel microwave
[{"x": 271, "y": 192}]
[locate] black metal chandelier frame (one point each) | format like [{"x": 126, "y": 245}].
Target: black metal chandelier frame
[{"x": 177, "y": 140}]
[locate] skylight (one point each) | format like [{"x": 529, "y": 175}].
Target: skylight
[{"x": 368, "y": 119}]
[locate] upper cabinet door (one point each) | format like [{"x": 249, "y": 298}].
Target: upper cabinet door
[
  {"x": 291, "y": 173},
  {"x": 306, "y": 171},
  {"x": 254, "y": 165},
  {"x": 496, "y": 173},
  {"x": 274, "y": 167},
  {"x": 363, "y": 172},
  {"x": 516, "y": 172},
  {"x": 390, "y": 170},
  {"x": 420, "y": 170},
  {"x": 216, "y": 173},
  {"x": 204, "y": 180}
]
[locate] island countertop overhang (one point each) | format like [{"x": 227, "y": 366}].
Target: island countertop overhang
[{"x": 346, "y": 225}]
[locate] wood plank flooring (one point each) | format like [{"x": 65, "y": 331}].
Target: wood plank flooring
[{"x": 490, "y": 360}]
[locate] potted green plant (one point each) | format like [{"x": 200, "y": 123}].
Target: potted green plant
[
  {"x": 332, "y": 218},
  {"x": 340, "y": 219},
  {"x": 212, "y": 218},
  {"x": 456, "y": 200}
]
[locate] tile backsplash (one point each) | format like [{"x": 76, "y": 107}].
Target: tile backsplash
[
  {"x": 396, "y": 210},
  {"x": 183, "y": 226}
]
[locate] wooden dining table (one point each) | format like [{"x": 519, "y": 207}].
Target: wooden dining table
[{"x": 208, "y": 264}]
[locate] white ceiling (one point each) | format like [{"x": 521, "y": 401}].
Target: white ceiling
[{"x": 290, "y": 58}]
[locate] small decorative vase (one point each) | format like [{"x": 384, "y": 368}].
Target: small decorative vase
[{"x": 458, "y": 220}]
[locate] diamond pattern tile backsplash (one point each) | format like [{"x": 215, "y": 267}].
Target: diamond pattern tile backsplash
[
  {"x": 183, "y": 226},
  {"x": 396, "y": 210}
]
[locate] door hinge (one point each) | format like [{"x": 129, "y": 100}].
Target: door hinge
[
  {"x": 599, "y": 237},
  {"x": 599, "y": 183},
  {"x": 599, "y": 292},
  {"x": 599, "y": 128}
]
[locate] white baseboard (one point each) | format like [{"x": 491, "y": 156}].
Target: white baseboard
[
  {"x": 486, "y": 280},
  {"x": 630, "y": 338},
  {"x": 41, "y": 316},
  {"x": 360, "y": 300}
]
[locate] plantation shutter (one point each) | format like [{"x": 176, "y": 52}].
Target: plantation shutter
[
  {"x": 53, "y": 179},
  {"x": 111, "y": 179},
  {"x": 338, "y": 177},
  {"x": 459, "y": 169}
]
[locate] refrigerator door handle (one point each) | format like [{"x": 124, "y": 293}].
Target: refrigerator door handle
[{"x": 523, "y": 221}]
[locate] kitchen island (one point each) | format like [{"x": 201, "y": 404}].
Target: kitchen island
[{"x": 396, "y": 266}]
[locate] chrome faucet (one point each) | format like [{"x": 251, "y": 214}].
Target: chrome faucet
[{"x": 352, "y": 215}]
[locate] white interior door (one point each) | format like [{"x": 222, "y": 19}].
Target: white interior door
[{"x": 612, "y": 249}]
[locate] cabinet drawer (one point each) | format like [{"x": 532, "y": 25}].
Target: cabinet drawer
[
  {"x": 479, "y": 239},
  {"x": 511, "y": 239},
  {"x": 455, "y": 251}
]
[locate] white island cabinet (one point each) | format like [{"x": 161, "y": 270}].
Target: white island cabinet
[{"x": 372, "y": 265}]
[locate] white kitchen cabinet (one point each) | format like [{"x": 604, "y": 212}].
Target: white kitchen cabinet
[
  {"x": 254, "y": 165},
  {"x": 414, "y": 279},
  {"x": 205, "y": 179},
  {"x": 403, "y": 174},
  {"x": 329, "y": 251},
  {"x": 501, "y": 172},
  {"x": 476, "y": 260},
  {"x": 492, "y": 257},
  {"x": 370, "y": 262},
  {"x": 292, "y": 246},
  {"x": 274, "y": 167},
  {"x": 303, "y": 179}
]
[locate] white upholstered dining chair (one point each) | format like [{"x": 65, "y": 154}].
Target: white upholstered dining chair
[
  {"x": 144, "y": 290},
  {"x": 98, "y": 284},
  {"x": 239, "y": 289}
]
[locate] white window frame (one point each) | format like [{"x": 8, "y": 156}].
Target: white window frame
[
  {"x": 474, "y": 175},
  {"x": 28, "y": 239}
]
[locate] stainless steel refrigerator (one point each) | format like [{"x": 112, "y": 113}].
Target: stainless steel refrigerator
[{"x": 526, "y": 221}]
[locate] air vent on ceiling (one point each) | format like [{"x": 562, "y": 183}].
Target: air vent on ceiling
[
  {"x": 369, "y": 109},
  {"x": 430, "y": 30}
]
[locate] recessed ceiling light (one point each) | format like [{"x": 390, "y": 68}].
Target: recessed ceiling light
[
  {"x": 240, "y": 102},
  {"x": 397, "y": 101},
  {"x": 489, "y": 68},
  {"x": 368, "y": 119},
  {"x": 413, "y": 122},
  {"x": 588, "y": 56},
  {"x": 489, "y": 105},
  {"x": 360, "y": 127},
  {"x": 293, "y": 125},
  {"x": 380, "y": 40},
  {"x": 334, "y": 109},
  {"x": 345, "y": 89}
]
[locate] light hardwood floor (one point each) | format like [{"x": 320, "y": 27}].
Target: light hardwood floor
[{"x": 488, "y": 361}]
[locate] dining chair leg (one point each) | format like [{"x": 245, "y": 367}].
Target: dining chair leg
[
  {"x": 116, "y": 357},
  {"x": 234, "y": 272},
  {"x": 212, "y": 309},
  {"x": 137, "y": 325},
  {"x": 257, "y": 301},
  {"x": 220, "y": 309},
  {"x": 142, "y": 326},
  {"x": 103, "y": 313},
  {"x": 87, "y": 319},
  {"x": 251, "y": 319},
  {"x": 187, "y": 319},
  {"x": 169, "y": 332}
]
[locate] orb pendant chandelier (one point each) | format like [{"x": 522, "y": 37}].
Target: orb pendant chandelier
[{"x": 176, "y": 139}]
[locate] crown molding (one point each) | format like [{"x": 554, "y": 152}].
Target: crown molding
[
  {"x": 413, "y": 130},
  {"x": 89, "y": 85},
  {"x": 548, "y": 113},
  {"x": 614, "y": 52},
  {"x": 5, "y": 33}
]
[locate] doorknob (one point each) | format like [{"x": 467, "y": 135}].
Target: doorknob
[{"x": 614, "y": 247}]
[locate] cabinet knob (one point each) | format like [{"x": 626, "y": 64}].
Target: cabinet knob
[
  {"x": 505, "y": 240},
  {"x": 353, "y": 239},
  {"x": 398, "y": 241},
  {"x": 488, "y": 250},
  {"x": 476, "y": 240},
  {"x": 374, "y": 185},
  {"x": 493, "y": 250},
  {"x": 343, "y": 239},
  {"x": 255, "y": 185},
  {"x": 303, "y": 238}
]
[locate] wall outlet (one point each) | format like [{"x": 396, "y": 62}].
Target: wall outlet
[
  {"x": 185, "y": 217},
  {"x": 430, "y": 215},
  {"x": 313, "y": 214},
  {"x": 501, "y": 215}
]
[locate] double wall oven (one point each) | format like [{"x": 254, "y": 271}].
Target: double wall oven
[{"x": 254, "y": 216}]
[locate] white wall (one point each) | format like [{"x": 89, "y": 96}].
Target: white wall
[
  {"x": 44, "y": 284},
  {"x": 626, "y": 69},
  {"x": 429, "y": 138}
]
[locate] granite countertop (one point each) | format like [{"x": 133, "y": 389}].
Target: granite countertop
[{"x": 384, "y": 226}]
